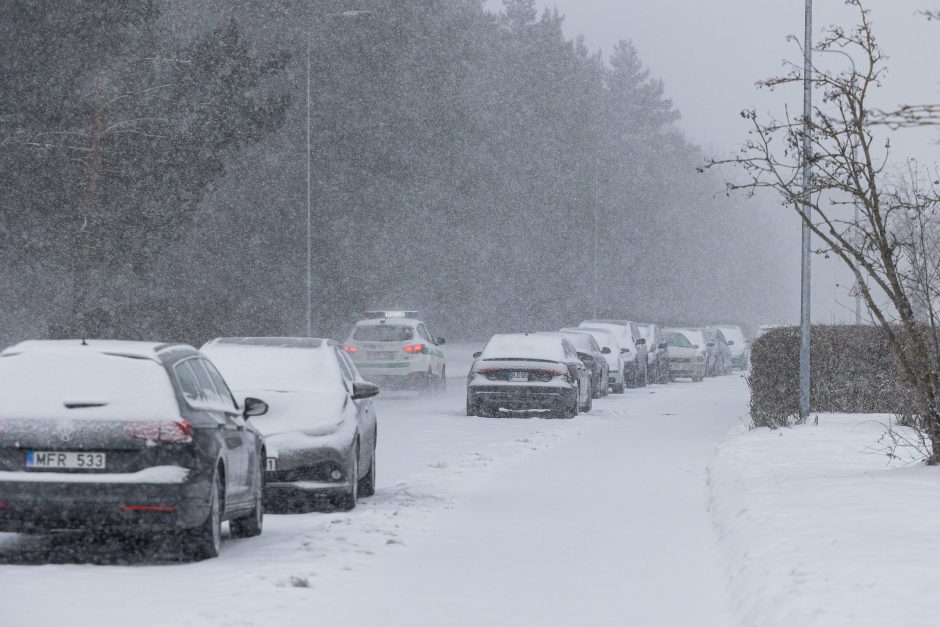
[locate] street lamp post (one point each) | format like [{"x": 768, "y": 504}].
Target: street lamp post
[{"x": 805, "y": 371}]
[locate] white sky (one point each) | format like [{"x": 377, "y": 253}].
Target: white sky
[{"x": 710, "y": 53}]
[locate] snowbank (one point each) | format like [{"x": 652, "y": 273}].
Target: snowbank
[{"x": 820, "y": 528}]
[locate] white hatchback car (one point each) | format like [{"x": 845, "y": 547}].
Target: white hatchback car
[{"x": 396, "y": 350}]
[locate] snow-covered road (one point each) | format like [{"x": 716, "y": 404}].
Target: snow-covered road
[{"x": 601, "y": 520}]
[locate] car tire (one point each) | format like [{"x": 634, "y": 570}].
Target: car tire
[
  {"x": 618, "y": 388},
  {"x": 367, "y": 483},
  {"x": 588, "y": 405},
  {"x": 205, "y": 541},
  {"x": 472, "y": 408},
  {"x": 572, "y": 410},
  {"x": 698, "y": 379},
  {"x": 347, "y": 501},
  {"x": 252, "y": 524}
]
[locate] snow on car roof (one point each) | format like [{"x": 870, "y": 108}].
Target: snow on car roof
[
  {"x": 579, "y": 339},
  {"x": 258, "y": 366},
  {"x": 302, "y": 385},
  {"x": 524, "y": 346},
  {"x": 278, "y": 342},
  {"x": 128, "y": 348},
  {"x": 84, "y": 384},
  {"x": 604, "y": 337}
]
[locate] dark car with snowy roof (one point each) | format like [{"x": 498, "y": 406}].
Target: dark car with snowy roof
[
  {"x": 528, "y": 374},
  {"x": 126, "y": 437}
]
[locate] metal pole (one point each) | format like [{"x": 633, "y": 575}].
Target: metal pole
[
  {"x": 309, "y": 252},
  {"x": 805, "y": 372},
  {"x": 595, "y": 240}
]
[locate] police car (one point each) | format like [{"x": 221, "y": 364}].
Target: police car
[{"x": 394, "y": 349}]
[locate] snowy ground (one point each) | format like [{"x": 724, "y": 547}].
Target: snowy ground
[
  {"x": 600, "y": 520},
  {"x": 819, "y": 529}
]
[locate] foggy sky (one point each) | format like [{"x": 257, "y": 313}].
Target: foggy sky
[{"x": 710, "y": 54}]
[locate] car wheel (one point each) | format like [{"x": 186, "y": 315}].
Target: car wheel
[
  {"x": 618, "y": 388},
  {"x": 347, "y": 501},
  {"x": 588, "y": 404},
  {"x": 205, "y": 541},
  {"x": 252, "y": 524},
  {"x": 472, "y": 408},
  {"x": 426, "y": 383},
  {"x": 572, "y": 410},
  {"x": 367, "y": 483},
  {"x": 698, "y": 379}
]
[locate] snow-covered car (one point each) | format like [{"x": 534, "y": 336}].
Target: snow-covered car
[
  {"x": 686, "y": 357},
  {"x": 610, "y": 348},
  {"x": 632, "y": 349},
  {"x": 738, "y": 344},
  {"x": 657, "y": 364},
  {"x": 321, "y": 428},
  {"x": 528, "y": 373},
  {"x": 594, "y": 357},
  {"x": 718, "y": 356},
  {"x": 127, "y": 436},
  {"x": 396, "y": 350}
]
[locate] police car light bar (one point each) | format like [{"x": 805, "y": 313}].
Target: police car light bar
[{"x": 373, "y": 315}]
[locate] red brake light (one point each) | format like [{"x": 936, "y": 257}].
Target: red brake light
[
  {"x": 351, "y": 349},
  {"x": 3, "y": 505},
  {"x": 552, "y": 372},
  {"x": 161, "y": 431},
  {"x": 416, "y": 348},
  {"x": 148, "y": 508}
]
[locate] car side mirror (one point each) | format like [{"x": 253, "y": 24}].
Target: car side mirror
[
  {"x": 641, "y": 342},
  {"x": 730, "y": 342},
  {"x": 441, "y": 341},
  {"x": 695, "y": 346},
  {"x": 364, "y": 389},
  {"x": 624, "y": 351},
  {"x": 605, "y": 350},
  {"x": 477, "y": 354},
  {"x": 254, "y": 407},
  {"x": 710, "y": 344}
]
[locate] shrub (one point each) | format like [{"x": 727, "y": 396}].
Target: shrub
[{"x": 853, "y": 371}]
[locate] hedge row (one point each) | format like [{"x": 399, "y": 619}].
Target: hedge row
[{"x": 853, "y": 371}]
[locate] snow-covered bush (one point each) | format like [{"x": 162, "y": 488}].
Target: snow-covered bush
[{"x": 854, "y": 371}]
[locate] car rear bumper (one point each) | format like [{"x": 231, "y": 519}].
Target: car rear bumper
[
  {"x": 46, "y": 506},
  {"x": 522, "y": 398},
  {"x": 687, "y": 369}
]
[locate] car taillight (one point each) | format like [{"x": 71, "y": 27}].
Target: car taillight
[
  {"x": 552, "y": 372},
  {"x": 415, "y": 349},
  {"x": 161, "y": 431},
  {"x": 351, "y": 349},
  {"x": 489, "y": 373}
]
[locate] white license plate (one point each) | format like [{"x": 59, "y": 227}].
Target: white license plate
[
  {"x": 271, "y": 463},
  {"x": 518, "y": 376},
  {"x": 382, "y": 356},
  {"x": 65, "y": 459}
]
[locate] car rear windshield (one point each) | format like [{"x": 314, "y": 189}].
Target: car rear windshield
[
  {"x": 383, "y": 333},
  {"x": 84, "y": 384},
  {"x": 581, "y": 341},
  {"x": 524, "y": 347}
]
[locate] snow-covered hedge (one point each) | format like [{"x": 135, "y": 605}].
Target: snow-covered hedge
[{"x": 853, "y": 372}]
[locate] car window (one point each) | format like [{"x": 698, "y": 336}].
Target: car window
[
  {"x": 383, "y": 333},
  {"x": 344, "y": 366},
  {"x": 423, "y": 333},
  {"x": 349, "y": 365},
  {"x": 594, "y": 345},
  {"x": 189, "y": 385},
  {"x": 221, "y": 387},
  {"x": 209, "y": 392}
]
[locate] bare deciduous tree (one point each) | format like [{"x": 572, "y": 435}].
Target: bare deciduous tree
[{"x": 884, "y": 224}]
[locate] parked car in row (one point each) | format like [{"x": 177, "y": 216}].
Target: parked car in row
[
  {"x": 321, "y": 429},
  {"x": 737, "y": 344},
  {"x": 719, "y": 353},
  {"x": 526, "y": 374},
  {"x": 686, "y": 358},
  {"x": 593, "y": 357},
  {"x": 632, "y": 348},
  {"x": 610, "y": 349},
  {"x": 127, "y": 437},
  {"x": 658, "y": 365}
]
